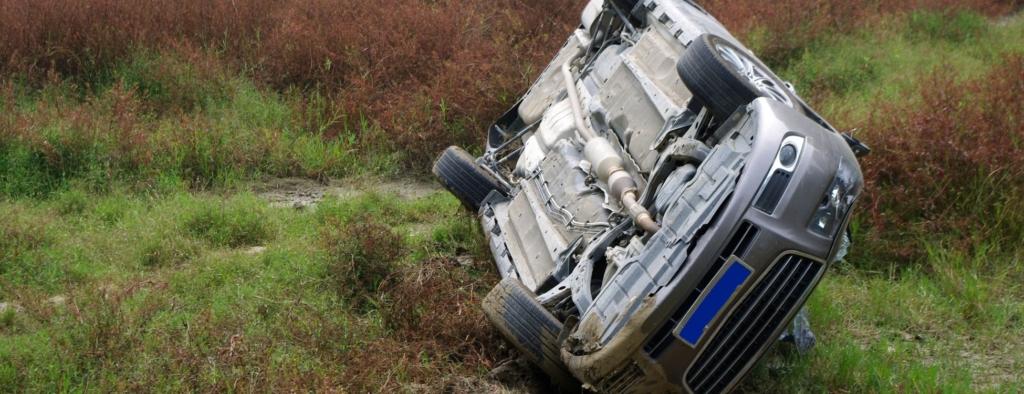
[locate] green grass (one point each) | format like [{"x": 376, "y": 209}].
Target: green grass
[
  {"x": 955, "y": 328},
  {"x": 171, "y": 282},
  {"x": 885, "y": 61},
  {"x": 156, "y": 120},
  {"x": 153, "y": 267}
]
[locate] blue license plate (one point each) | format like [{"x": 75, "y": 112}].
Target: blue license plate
[{"x": 708, "y": 308}]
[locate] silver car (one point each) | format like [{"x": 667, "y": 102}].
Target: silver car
[{"x": 659, "y": 204}]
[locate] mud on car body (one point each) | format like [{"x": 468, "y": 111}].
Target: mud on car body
[{"x": 659, "y": 204}]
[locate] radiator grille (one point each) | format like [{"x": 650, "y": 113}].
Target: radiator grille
[
  {"x": 737, "y": 246},
  {"x": 751, "y": 325}
]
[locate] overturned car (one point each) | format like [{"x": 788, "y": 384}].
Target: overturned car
[{"x": 659, "y": 204}]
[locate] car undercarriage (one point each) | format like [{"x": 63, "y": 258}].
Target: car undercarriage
[{"x": 659, "y": 204}]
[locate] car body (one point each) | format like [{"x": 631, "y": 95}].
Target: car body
[{"x": 659, "y": 204}]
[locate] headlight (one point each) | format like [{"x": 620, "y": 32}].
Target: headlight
[{"x": 836, "y": 202}]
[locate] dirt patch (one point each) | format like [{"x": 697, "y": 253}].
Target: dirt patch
[
  {"x": 1008, "y": 19},
  {"x": 5, "y": 306},
  {"x": 517, "y": 375},
  {"x": 301, "y": 193},
  {"x": 294, "y": 192},
  {"x": 409, "y": 189}
]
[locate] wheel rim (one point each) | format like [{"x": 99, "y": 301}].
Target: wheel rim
[{"x": 760, "y": 78}]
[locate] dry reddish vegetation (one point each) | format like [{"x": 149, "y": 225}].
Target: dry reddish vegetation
[
  {"x": 438, "y": 334},
  {"x": 782, "y": 29},
  {"x": 950, "y": 162},
  {"x": 430, "y": 73},
  {"x": 360, "y": 255},
  {"x": 439, "y": 331}
]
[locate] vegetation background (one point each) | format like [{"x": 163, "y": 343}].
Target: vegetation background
[{"x": 226, "y": 194}]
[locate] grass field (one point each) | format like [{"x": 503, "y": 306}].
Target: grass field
[{"x": 218, "y": 210}]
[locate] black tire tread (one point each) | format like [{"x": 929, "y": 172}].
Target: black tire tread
[
  {"x": 710, "y": 80},
  {"x": 456, "y": 170},
  {"x": 530, "y": 328}
]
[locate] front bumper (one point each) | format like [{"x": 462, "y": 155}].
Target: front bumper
[{"x": 786, "y": 261}]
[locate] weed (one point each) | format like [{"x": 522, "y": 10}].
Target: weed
[
  {"x": 7, "y": 316},
  {"x": 382, "y": 208},
  {"x": 433, "y": 308},
  {"x": 240, "y": 222},
  {"x": 417, "y": 299},
  {"x": 950, "y": 161},
  {"x": 166, "y": 250},
  {"x": 110, "y": 209},
  {"x": 361, "y": 254},
  {"x": 454, "y": 235},
  {"x": 781, "y": 31},
  {"x": 385, "y": 83},
  {"x": 182, "y": 80},
  {"x": 20, "y": 234},
  {"x": 72, "y": 202},
  {"x": 953, "y": 27}
]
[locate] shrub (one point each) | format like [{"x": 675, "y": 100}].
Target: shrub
[
  {"x": 382, "y": 208},
  {"x": 19, "y": 234},
  {"x": 72, "y": 202},
  {"x": 433, "y": 312},
  {"x": 360, "y": 255},
  {"x": 453, "y": 235},
  {"x": 179, "y": 80},
  {"x": 948, "y": 26},
  {"x": 167, "y": 250},
  {"x": 408, "y": 67},
  {"x": 239, "y": 222},
  {"x": 948, "y": 161},
  {"x": 780, "y": 30}
]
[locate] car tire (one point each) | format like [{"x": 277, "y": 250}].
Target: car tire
[
  {"x": 525, "y": 323},
  {"x": 711, "y": 68},
  {"x": 458, "y": 172}
]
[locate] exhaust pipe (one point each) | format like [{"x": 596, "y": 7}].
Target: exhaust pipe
[{"x": 606, "y": 162}]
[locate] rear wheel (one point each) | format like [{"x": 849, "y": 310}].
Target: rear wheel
[
  {"x": 725, "y": 77},
  {"x": 513, "y": 309},
  {"x": 462, "y": 176}
]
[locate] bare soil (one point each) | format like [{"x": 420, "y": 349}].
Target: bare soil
[{"x": 301, "y": 193}]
